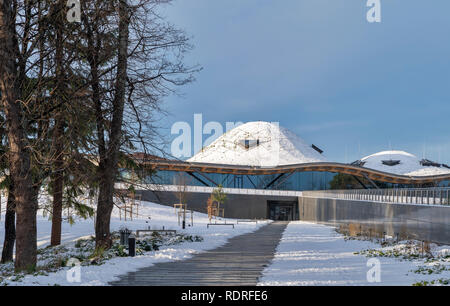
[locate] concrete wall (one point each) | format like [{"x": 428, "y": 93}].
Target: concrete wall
[
  {"x": 422, "y": 222},
  {"x": 237, "y": 206}
]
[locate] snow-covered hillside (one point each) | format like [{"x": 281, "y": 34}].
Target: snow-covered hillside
[
  {"x": 261, "y": 144},
  {"x": 409, "y": 164}
]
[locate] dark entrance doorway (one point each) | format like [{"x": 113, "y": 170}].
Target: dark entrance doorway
[{"x": 282, "y": 210}]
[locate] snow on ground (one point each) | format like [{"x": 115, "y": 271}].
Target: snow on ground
[
  {"x": 409, "y": 164},
  {"x": 277, "y": 146},
  {"x": 160, "y": 216},
  {"x": 314, "y": 254}
]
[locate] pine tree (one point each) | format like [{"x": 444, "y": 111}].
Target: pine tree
[{"x": 11, "y": 75}]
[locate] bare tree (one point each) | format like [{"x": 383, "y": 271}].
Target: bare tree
[
  {"x": 114, "y": 69},
  {"x": 182, "y": 183},
  {"x": 109, "y": 148},
  {"x": 129, "y": 74}
]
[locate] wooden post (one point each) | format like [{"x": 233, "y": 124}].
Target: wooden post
[
  {"x": 184, "y": 214},
  {"x": 132, "y": 204}
]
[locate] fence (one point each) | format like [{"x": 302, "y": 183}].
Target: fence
[
  {"x": 201, "y": 189},
  {"x": 425, "y": 196}
]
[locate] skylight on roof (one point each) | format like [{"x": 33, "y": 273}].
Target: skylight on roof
[
  {"x": 249, "y": 143},
  {"x": 390, "y": 162}
]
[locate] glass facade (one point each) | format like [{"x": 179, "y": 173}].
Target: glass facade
[
  {"x": 298, "y": 181},
  {"x": 444, "y": 184}
]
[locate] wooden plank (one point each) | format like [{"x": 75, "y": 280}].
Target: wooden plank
[{"x": 240, "y": 262}]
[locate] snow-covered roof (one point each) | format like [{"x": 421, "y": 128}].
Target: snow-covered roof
[
  {"x": 400, "y": 162},
  {"x": 260, "y": 144}
]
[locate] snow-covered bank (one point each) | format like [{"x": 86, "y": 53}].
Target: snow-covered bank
[
  {"x": 159, "y": 216},
  {"x": 314, "y": 254}
]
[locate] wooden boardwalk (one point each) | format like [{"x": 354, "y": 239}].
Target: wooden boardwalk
[{"x": 240, "y": 262}]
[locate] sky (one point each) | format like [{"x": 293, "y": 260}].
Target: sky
[{"x": 320, "y": 69}]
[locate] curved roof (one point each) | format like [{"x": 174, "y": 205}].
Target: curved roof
[
  {"x": 261, "y": 144},
  {"x": 376, "y": 175},
  {"x": 262, "y": 148},
  {"x": 402, "y": 163}
]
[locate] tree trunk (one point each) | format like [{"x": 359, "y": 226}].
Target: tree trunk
[
  {"x": 58, "y": 135},
  {"x": 10, "y": 227},
  {"x": 58, "y": 189},
  {"x": 104, "y": 209},
  {"x": 109, "y": 160},
  {"x": 19, "y": 157}
]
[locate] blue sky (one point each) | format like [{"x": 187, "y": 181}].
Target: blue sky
[{"x": 321, "y": 70}]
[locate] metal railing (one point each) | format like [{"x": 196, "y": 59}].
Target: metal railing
[
  {"x": 204, "y": 189},
  {"x": 422, "y": 196}
]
